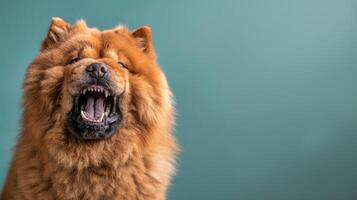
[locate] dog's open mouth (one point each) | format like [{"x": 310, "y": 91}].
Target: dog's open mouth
[
  {"x": 95, "y": 113},
  {"x": 95, "y": 104}
]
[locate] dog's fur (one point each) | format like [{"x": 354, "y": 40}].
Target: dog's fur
[{"x": 136, "y": 162}]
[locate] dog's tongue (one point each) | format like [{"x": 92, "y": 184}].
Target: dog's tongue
[{"x": 94, "y": 107}]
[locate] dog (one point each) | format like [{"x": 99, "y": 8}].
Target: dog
[{"x": 97, "y": 119}]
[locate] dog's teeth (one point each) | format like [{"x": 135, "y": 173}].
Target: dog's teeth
[
  {"x": 83, "y": 115},
  {"x": 101, "y": 118},
  {"x": 106, "y": 93},
  {"x": 85, "y": 91},
  {"x": 93, "y": 120}
]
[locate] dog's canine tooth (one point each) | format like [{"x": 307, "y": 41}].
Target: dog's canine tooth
[
  {"x": 101, "y": 118},
  {"x": 83, "y": 115},
  {"x": 106, "y": 93}
]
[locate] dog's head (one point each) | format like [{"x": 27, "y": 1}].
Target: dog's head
[{"x": 88, "y": 84}]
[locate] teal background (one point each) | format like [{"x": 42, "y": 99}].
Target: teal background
[{"x": 265, "y": 90}]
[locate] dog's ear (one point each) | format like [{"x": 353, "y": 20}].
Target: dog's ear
[
  {"x": 57, "y": 32},
  {"x": 143, "y": 37}
]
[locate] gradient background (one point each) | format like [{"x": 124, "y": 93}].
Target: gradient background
[{"x": 266, "y": 90}]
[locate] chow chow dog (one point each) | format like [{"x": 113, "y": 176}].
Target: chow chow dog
[{"x": 97, "y": 119}]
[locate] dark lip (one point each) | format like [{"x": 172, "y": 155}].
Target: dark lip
[{"x": 86, "y": 130}]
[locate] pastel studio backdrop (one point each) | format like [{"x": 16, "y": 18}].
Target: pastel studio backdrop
[{"x": 265, "y": 90}]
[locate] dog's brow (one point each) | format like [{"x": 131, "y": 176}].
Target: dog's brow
[
  {"x": 70, "y": 51},
  {"x": 87, "y": 44},
  {"x": 110, "y": 54},
  {"x": 79, "y": 48}
]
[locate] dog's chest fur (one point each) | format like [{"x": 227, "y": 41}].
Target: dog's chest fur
[{"x": 133, "y": 181}]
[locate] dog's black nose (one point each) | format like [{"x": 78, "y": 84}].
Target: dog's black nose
[{"x": 97, "y": 70}]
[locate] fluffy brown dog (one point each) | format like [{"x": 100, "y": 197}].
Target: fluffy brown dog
[{"x": 97, "y": 119}]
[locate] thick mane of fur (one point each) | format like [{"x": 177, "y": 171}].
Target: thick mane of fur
[{"x": 135, "y": 163}]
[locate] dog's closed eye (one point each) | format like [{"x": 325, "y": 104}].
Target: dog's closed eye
[
  {"x": 122, "y": 64},
  {"x": 74, "y": 60}
]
